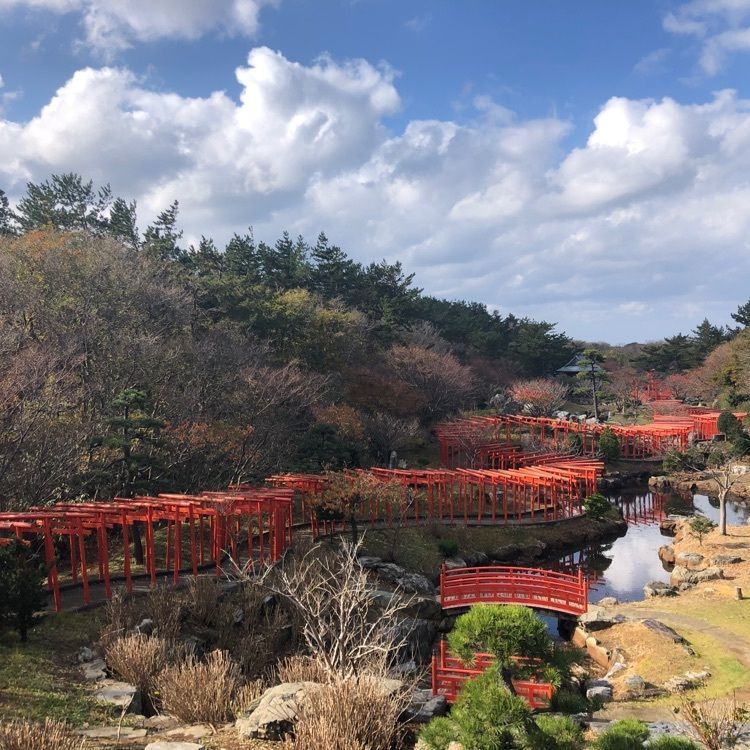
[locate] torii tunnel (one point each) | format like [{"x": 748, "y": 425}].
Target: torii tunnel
[{"x": 245, "y": 524}]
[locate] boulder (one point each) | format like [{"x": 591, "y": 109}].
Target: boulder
[
  {"x": 608, "y": 601},
  {"x": 635, "y": 683},
  {"x": 599, "y": 619},
  {"x": 475, "y": 559},
  {"x": 682, "y": 575},
  {"x": 666, "y": 554},
  {"x": 419, "y": 636},
  {"x": 690, "y": 560},
  {"x": 658, "y": 588},
  {"x": 686, "y": 681},
  {"x": 414, "y": 583},
  {"x": 120, "y": 695},
  {"x": 659, "y": 483},
  {"x": 669, "y": 525},
  {"x": 95, "y": 670},
  {"x": 506, "y": 553},
  {"x": 424, "y": 706},
  {"x": 272, "y": 716},
  {"x": 86, "y": 654},
  {"x": 113, "y": 733},
  {"x": 145, "y": 627},
  {"x": 454, "y": 563},
  {"x": 726, "y": 560},
  {"x": 369, "y": 563},
  {"x": 615, "y": 669},
  {"x": 602, "y": 692}
]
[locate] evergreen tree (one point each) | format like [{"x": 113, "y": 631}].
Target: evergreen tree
[
  {"x": 706, "y": 338},
  {"x": 674, "y": 354},
  {"x": 21, "y": 586},
  {"x": 592, "y": 373},
  {"x": 7, "y": 217},
  {"x": 205, "y": 259},
  {"x": 65, "y": 202},
  {"x": 285, "y": 265},
  {"x": 122, "y": 222},
  {"x": 742, "y": 316},
  {"x": 161, "y": 237},
  {"x": 241, "y": 256},
  {"x": 334, "y": 274}
]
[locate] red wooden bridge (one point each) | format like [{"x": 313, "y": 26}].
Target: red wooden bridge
[
  {"x": 449, "y": 674},
  {"x": 530, "y": 587}
]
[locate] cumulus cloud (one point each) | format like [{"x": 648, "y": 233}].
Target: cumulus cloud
[
  {"x": 723, "y": 26},
  {"x": 597, "y": 237},
  {"x": 111, "y": 26}
]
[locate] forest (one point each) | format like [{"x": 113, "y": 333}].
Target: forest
[{"x": 130, "y": 362}]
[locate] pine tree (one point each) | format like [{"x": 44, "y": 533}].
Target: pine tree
[
  {"x": 706, "y": 338},
  {"x": 742, "y": 316},
  {"x": 241, "y": 256},
  {"x": 161, "y": 237},
  {"x": 592, "y": 373},
  {"x": 334, "y": 274},
  {"x": 65, "y": 202},
  {"x": 285, "y": 265},
  {"x": 122, "y": 222},
  {"x": 7, "y": 217}
]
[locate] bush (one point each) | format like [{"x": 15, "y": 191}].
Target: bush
[
  {"x": 163, "y": 605},
  {"x": 439, "y": 733},
  {"x": 488, "y": 716},
  {"x": 203, "y": 604},
  {"x": 349, "y": 714},
  {"x": 300, "y": 668},
  {"x": 729, "y": 425},
  {"x": 448, "y": 547},
  {"x": 24, "y": 735},
  {"x": 597, "y": 506},
  {"x": 557, "y": 733},
  {"x": 568, "y": 702},
  {"x": 505, "y": 630},
  {"x": 200, "y": 692},
  {"x": 671, "y": 742},
  {"x": 626, "y": 734},
  {"x": 138, "y": 659},
  {"x": 575, "y": 442},
  {"x": 22, "y": 592},
  {"x": 121, "y": 614},
  {"x": 609, "y": 445},
  {"x": 699, "y": 527}
]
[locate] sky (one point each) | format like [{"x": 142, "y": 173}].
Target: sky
[{"x": 585, "y": 163}]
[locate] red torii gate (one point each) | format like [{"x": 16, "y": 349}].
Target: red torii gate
[{"x": 266, "y": 514}]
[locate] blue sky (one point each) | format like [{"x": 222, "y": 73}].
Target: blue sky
[{"x": 582, "y": 162}]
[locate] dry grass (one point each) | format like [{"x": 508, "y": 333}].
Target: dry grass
[
  {"x": 203, "y": 600},
  {"x": 164, "y": 605},
  {"x": 121, "y": 615},
  {"x": 302, "y": 669},
  {"x": 351, "y": 714},
  {"x": 246, "y": 695},
  {"x": 24, "y": 735},
  {"x": 138, "y": 659},
  {"x": 200, "y": 691}
]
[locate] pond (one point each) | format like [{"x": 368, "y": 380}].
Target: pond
[{"x": 623, "y": 567}]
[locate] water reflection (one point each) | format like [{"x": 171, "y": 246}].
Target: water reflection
[{"x": 623, "y": 567}]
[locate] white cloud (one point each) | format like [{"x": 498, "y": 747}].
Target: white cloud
[
  {"x": 723, "y": 26},
  {"x": 113, "y": 25},
  {"x": 495, "y": 209}
]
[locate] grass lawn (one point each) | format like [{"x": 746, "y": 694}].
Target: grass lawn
[{"x": 40, "y": 678}]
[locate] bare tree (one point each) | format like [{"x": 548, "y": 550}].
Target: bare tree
[
  {"x": 386, "y": 433},
  {"x": 341, "y": 624}
]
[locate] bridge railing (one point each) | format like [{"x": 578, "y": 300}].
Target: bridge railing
[
  {"x": 449, "y": 674},
  {"x": 531, "y": 587}
]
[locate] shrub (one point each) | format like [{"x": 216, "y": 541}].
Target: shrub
[
  {"x": 121, "y": 614},
  {"x": 626, "y": 734},
  {"x": 349, "y": 714},
  {"x": 557, "y": 733},
  {"x": 25, "y": 735},
  {"x": 699, "y": 527},
  {"x": 609, "y": 445},
  {"x": 729, "y": 425},
  {"x": 488, "y": 716},
  {"x": 439, "y": 733},
  {"x": 200, "y": 692},
  {"x": 568, "y": 702},
  {"x": 505, "y": 630},
  {"x": 138, "y": 659},
  {"x": 22, "y": 592},
  {"x": 448, "y": 547},
  {"x": 163, "y": 605},
  {"x": 715, "y": 722},
  {"x": 202, "y": 600},
  {"x": 597, "y": 506},
  {"x": 300, "y": 668},
  {"x": 671, "y": 742}
]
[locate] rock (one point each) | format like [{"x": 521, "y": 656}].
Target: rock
[
  {"x": 666, "y": 554},
  {"x": 615, "y": 669},
  {"x": 370, "y": 563},
  {"x": 506, "y": 553},
  {"x": 726, "y": 560},
  {"x": 683, "y": 682},
  {"x": 120, "y": 695},
  {"x": 272, "y": 716},
  {"x": 681, "y": 574},
  {"x": 668, "y": 526},
  {"x": 160, "y": 722},
  {"x": 113, "y": 733},
  {"x": 410, "y": 582},
  {"x": 167, "y": 745},
  {"x": 659, "y": 482},
  {"x": 453, "y": 563},
  {"x": 145, "y": 627},
  {"x": 635, "y": 683},
  {"x": 708, "y": 574},
  {"x": 690, "y": 560},
  {"x": 418, "y": 636},
  {"x": 656, "y": 626},
  {"x": 95, "y": 670},
  {"x": 602, "y": 693},
  {"x": 85, "y": 654},
  {"x": 424, "y": 706},
  {"x": 191, "y": 732},
  {"x": 475, "y": 559},
  {"x": 658, "y": 588},
  {"x": 599, "y": 619},
  {"x": 608, "y": 601}
]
